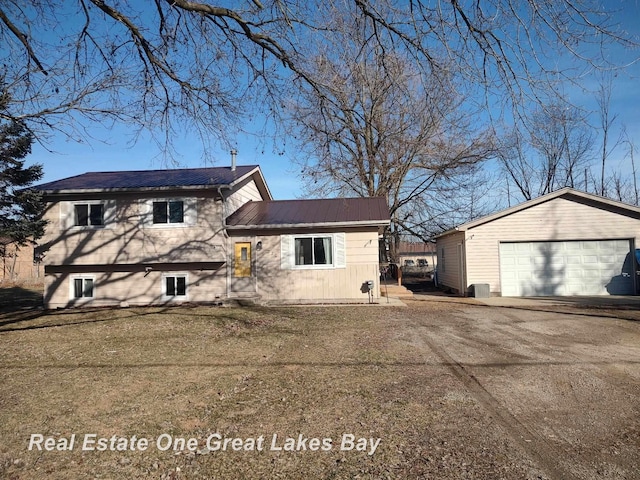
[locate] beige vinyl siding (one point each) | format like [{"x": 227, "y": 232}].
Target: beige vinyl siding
[
  {"x": 127, "y": 240},
  {"x": 557, "y": 219},
  {"x": 134, "y": 288},
  {"x": 246, "y": 192},
  {"x": 319, "y": 284},
  {"x": 449, "y": 266}
]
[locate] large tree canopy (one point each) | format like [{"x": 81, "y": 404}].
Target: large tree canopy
[
  {"x": 170, "y": 65},
  {"x": 374, "y": 125}
]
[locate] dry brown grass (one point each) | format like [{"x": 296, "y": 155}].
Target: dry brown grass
[{"x": 190, "y": 372}]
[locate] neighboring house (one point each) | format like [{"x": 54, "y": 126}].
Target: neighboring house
[
  {"x": 418, "y": 254},
  {"x": 564, "y": 243},
  {"x": 173, "y": 236},
  {"x": 18, "y": 263}
]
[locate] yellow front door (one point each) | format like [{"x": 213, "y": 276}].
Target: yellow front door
[{"x": 242, "y": 259}]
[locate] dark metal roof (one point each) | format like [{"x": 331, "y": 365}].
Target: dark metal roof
[
  {"x": 187, "y": 177},
  {"x": 416, "y": 248},
  {"x": 282, "y": 213}
]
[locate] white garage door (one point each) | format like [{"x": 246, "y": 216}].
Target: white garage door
[{"x": 596, "y": 267}]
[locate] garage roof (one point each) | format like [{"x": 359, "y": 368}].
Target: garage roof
[{"x": 567, "y": 192}]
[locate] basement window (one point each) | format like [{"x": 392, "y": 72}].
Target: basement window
[
  {"x": 175, "y": 287},
  {"x": 82, "y": 287}
]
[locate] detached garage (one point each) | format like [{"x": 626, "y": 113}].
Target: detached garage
[{"x": 565, "y": 243}]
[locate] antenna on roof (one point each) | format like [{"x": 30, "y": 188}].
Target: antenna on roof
[{"x": 234, "y": 152}]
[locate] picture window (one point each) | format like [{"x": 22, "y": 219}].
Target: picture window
[{"x": 313, "y": 251}]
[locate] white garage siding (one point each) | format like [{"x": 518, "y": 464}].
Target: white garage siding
[
  {"x": 450, "y": 262},
  {"x": 562, "y": 216},
  {"x": 596, "y": 267}
]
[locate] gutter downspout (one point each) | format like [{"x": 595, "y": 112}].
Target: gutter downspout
[{"x": 225, "y": 234}]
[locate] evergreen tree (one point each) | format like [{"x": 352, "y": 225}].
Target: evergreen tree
[{"x": 20, "y": 208}]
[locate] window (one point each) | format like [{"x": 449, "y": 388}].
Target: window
[
  {"x": 171, "y": 211},
  {"x": 323, "y": 251},
  {"x": 88, "y": 214},
  {"x": 442, "y": 264},
  {"x": 313, "y": 251},
  {"x": 83, "y": 287},
  {"x": 175, "y": 286}
]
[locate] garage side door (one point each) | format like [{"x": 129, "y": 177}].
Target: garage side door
[{"x": 595, "y": 267}]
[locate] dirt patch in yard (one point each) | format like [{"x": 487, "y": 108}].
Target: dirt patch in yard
[{"x": 430, "y": 391}]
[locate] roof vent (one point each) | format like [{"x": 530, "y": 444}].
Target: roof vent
[{"x": 234, "y": 152}]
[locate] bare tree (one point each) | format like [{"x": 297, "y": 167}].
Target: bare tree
[
  {"x": 166, "y": 66},
  {"x": 553, "y": 154},
  {"x": 631, "y": 149},
  {"x": 373, "y": 125},
  {"x": 160, "y": 66},
  {"x": 606, "y": 120}
]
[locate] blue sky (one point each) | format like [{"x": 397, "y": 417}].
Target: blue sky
[{"x": 63, "y": 157}]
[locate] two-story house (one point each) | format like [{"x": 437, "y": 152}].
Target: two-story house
[{"x": 203, "y": 235}]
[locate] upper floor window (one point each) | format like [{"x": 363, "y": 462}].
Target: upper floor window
[
  {"x": 168, "y": 212},
  {"x": 89, "y": 214},
  {"x": 171, "y": 211}
]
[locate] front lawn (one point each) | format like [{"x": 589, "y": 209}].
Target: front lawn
[{"x": 269, "y": 380}]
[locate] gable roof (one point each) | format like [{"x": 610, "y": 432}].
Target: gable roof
[
  {"x": 416, "y": 248},
  {"x": 328, "y": 212},
  {"x": 151, "y": 179},
  {"x": 567, "y": 192}
]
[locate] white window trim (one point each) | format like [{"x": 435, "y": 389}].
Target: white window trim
[
  {"x": 88, "y": 202},
  {"x": 189, "y": 212},
  {"x": 291, "y": 261},
  {"x": 83, "y": 299},
  {"x": 175, "y": 298}
]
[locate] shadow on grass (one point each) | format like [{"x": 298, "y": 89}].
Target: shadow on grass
[
  {"x": 17, "y": 298},
  {"x": 37, "y": 318}
]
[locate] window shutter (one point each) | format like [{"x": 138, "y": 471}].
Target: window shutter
[
  {"x": 340, "y": 251},
  {"x": 109, "y": 214},
  {"x": 146, "y": 212},
  {"x": 66, "y": 215},
  {"x": 286, "y": 252},
  {"x": 190, "y": 211}
]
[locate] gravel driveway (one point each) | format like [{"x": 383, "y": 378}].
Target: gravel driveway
[{"x": 565, "y": 387}]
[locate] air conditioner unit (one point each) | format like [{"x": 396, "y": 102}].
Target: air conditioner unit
[{"x": 479, "y": 290}]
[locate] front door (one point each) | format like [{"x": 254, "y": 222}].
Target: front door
[
  {"x": 242, "y": 260},
  {"x": 243, "y": 280}
]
